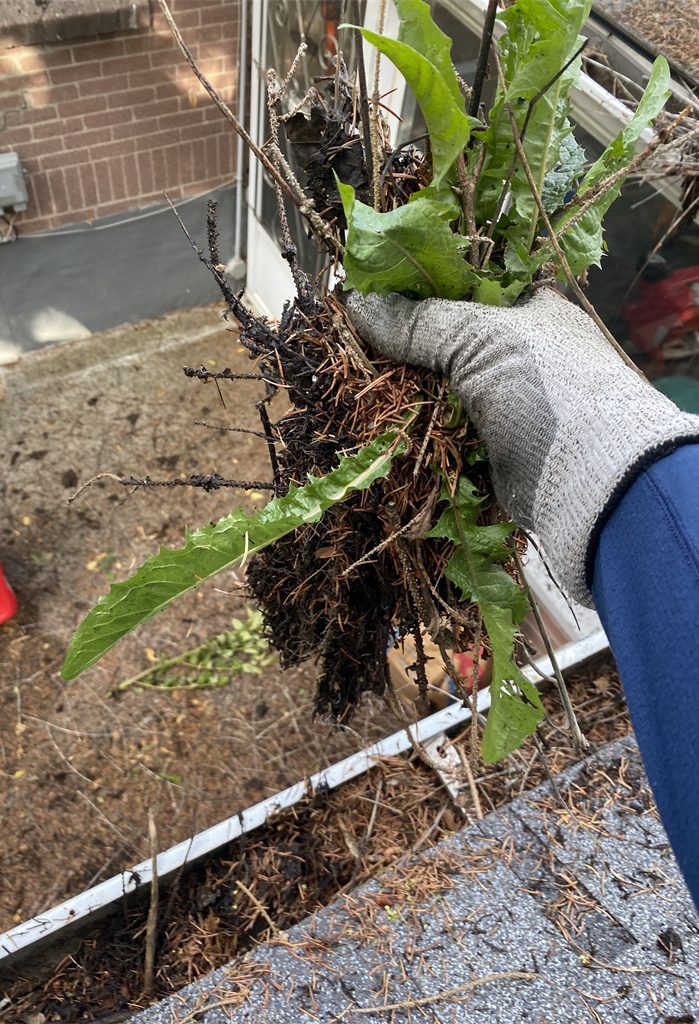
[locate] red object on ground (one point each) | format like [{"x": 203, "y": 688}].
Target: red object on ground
[
  {"x": 667, "y": 309},
  {"x": 464, "y": 663},
  {"x": 8, "y": 599}
]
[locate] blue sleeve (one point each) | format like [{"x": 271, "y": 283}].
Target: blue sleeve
[{"x": 646, "y": 590}]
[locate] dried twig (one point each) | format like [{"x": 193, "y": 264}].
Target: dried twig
[
  {"x": 483, "y": 54},
  {"x": 152, "y": 922},
  {"x": 450, "y": 993},
  {"x": 376, "y": 147},
  {"x": 261, "y": 909},
  {"x": 224, "y": 108}
]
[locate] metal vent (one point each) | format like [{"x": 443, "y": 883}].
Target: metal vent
[{"x": 13, "y": 188}]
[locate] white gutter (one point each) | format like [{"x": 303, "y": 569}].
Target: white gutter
[{"x": 60, "y": 921}]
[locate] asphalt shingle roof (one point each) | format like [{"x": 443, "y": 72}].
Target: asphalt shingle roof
[{"x": 549, "y": 910}]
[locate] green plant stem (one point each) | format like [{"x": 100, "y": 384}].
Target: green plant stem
[
  {"x": 168, "y": 663},
  {"x": 530, "y": 109},
  {"x": 579, "y": 741},
  {"x": 565, "y": 266}
]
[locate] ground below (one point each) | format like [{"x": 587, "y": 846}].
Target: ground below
[{"x": 80, "y": 770}]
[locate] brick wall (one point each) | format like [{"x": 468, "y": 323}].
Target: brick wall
[{"x": 106, "y": 124}]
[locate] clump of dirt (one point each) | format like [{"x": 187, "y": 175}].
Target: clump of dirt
[{"x": 296, "y": 863}]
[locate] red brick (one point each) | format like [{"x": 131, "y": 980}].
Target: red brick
[
  {"x": 131, "y": 98},
  {"x": 86, "y": 139},
  {"x": 50, "y": 129},
  {"x": 107, "y": 117},
  {"x": 54, "y": 94},
  {"x": 62, "y": 220},
  {"x": 166, "y": 138},
  {"x": 9, "y": 66},
  {"x": 88, "y": 183},
  {"x": 18, "y": 83},
  {"x": 226, "y": 155},
  {"x": 172, "y": 166},
  {"x": 75, "y": 72},
  {"x": 137, "y": 79},
  {"x": 84, "y": 105},
  {"x": 186, "y": 164},
  {"x": 212, "y": 164},
  {"x": 165, "y": 59},
  {"x": 156, "y": 108},
  {"x": 186, "y": 19},
  {"x": 224, "y": 83},
  {"x": 11, "y": 101},
  {"x": 42, "y": 149},
  {"x": 133, "y": 183},
  {"x": 31, "y": 166},
  {"x": 150, "y": 42},
  {"x": 11, "y": 137},
  {"x": 97, "y": 86},
  {"x": 145, "y": 171},
  {"x": 181, "y": 119},
  {"x": 121, "y": 206},
  {"x": 159, "y": 171},
  {"x": 112, "y": 150},
  {"x": 15, "y": 117},
  {"x": 40, "y": 199},
  {"x": 116, "y": 171},
  {"x": 33, "y": 225},
  {"x": 150, "y": 199},
  {"x": 104, "y": 183},
  {"x": 167, "y": 90},
  {"x": 199, "y": 156},
  {"x": 58, "y": 190},
  {"x": 186, "y": 5},
  {"x": 230, "y": 30},
  {"x": 135, "y": 128},
  {"x": 39, "y": 59},
  {"x": 211, "y": 66},
  {"x": 212, "y": 113},
  {"x": 126, "y": 65},
  {"x": 215, "y": 16},
  {"x": 62, "y": 159},
  {"x": 74, "y": 192},
  {"x": 101, "y": 49},
  {"x": 204, "y": 130}
]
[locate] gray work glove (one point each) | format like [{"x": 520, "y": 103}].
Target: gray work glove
[{"x": 566, "y": 423}]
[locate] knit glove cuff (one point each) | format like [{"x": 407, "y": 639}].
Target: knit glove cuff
[{"x": 578, "y": 490}]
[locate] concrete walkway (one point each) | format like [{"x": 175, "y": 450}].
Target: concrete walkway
[{"x": 553, "y": 909}]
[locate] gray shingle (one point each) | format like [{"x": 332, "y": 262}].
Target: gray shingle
[{"x": 572, "y": 898}]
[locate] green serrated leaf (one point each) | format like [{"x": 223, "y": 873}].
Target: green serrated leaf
[
  {"x": 515, "y": 704},
  {"x": 411, "y": 249},
  {"x": 447, "y": 123},
  {"x": 475, "y": 569},
  {"x": 212, "y": 548},
  {"x": 418, "y": 30},
  {"x": 583, "y": 241},
  {"x": 541, "y": 37},
  {"x": 562, "y": 179}
]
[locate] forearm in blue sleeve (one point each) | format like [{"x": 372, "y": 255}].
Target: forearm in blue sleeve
[{"x": 646, "y": 590}]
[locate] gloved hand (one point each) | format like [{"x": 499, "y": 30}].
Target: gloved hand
[{"x": 566, "y": 424}]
